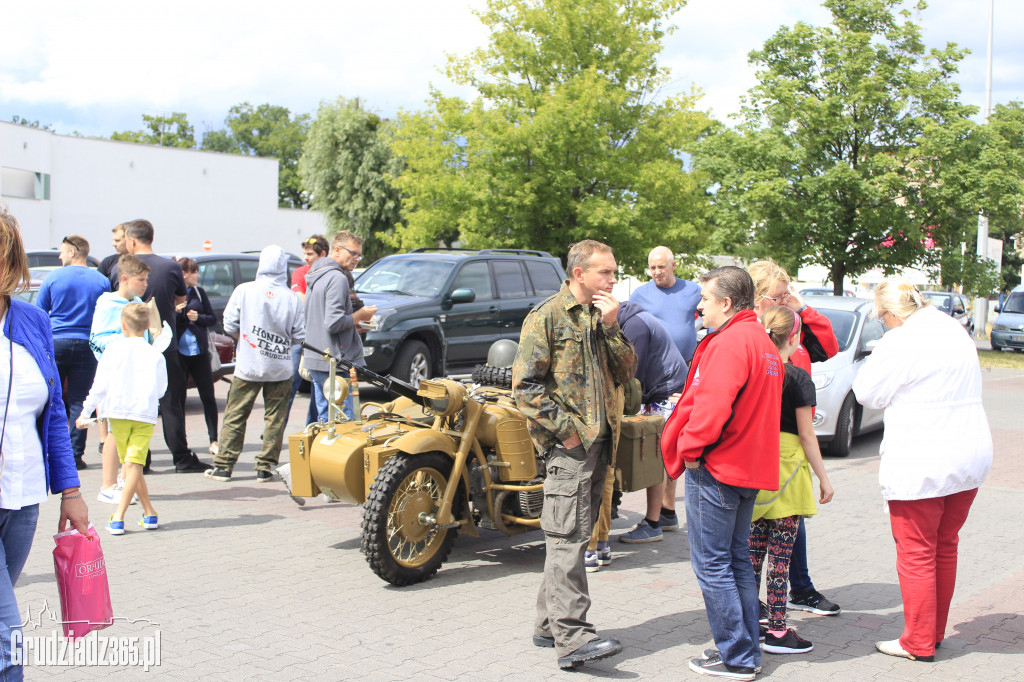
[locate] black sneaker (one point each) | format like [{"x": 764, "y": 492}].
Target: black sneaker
[
  {"x": 217, "y": 474},
  {"x": 762, "y": 631},
  {"x": 789, "y": 643},
  {"x": 763, "y": 618},
  {"x": 716, "y": 667},
  {"x": 263, "y": 476},
  {"x": 814, "y": 602},
  {"x": 80, "y": 463},
  {"x": 713, "y": 652}
]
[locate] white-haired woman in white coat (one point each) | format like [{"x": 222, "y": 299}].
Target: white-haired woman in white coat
[{"x": 936, "y": 452}]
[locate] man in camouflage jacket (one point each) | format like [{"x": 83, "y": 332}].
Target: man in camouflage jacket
[{"x": 572, "y": 356}]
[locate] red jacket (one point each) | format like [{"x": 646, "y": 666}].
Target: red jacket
[
  {"x": 817, "y": 340},
  {"x": 730, "y": 408},
  {"x": 815, "y": 330}
]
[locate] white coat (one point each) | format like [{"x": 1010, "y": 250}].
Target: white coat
[{"x": 925, "y": 375}]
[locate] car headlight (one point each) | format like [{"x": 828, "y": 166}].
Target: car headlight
[
  {"x": 1000, "y": 328},
  {"x": 822, "y": 380},
  {"x": 379, "y": 317}
]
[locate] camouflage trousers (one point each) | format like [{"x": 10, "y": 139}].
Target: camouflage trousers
[
  {"x": 241, "y": 397},
  {"x": 572, "y": 498}
]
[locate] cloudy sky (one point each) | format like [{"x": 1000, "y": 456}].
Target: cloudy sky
[{"x": 96, "y": 67}]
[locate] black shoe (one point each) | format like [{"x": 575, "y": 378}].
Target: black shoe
[
  {"x": 541, "y": 640},
  {"x": 716, "y": 667},
  {"x": 217, "y": 474},
  {"x": 263, "y": 476},
  {"x": 192, "y": 466},
  {"x": 80, "y": 463},
  {"x": 789, "y": 643},
  {"x": 593, "y": 650},
  {"x": 813, "y": 601}
]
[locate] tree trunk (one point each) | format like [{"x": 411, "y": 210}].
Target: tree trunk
[{"x": 838, "y": 275}]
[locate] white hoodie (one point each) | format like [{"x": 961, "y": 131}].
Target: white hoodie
[
  {"x": 268, "y": 319},
  {"x": 925, "y": 375},
  {"x": 130, "y": 379}
]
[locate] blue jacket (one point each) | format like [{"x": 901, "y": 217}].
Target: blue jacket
[{"x": 30, "y": 326}]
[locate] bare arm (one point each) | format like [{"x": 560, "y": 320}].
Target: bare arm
[{"x": 805, "y": 427}]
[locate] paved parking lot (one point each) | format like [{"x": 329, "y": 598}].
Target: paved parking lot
[{"x": 242, "y": 583}]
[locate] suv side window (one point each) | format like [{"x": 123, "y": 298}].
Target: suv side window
[
  {"x": 511, "y": 281},
  {"x": 959, "y": 307},
  {"x": 545, "y": 277},
  {"x": 247, "y": 271},
  {"x": 217, "y": 277},
  {"x": 477, "y": 277},
  {"x": 873, "y": 329}
]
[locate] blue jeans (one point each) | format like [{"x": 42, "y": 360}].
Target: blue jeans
[
  {"x": 321, "y": 401},
  {"x": 296, "y": 378},
  {"x": 799, "y": 577},
  {"x": 718, "y": 518},
  {"x": 17, "y": 527},
  {"x": 77, "y": 367}
]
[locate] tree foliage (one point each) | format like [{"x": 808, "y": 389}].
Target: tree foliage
[
  {"x": 165, "y": 131},
  {"x": 268, "y": 131},
  {"x": 823, "y": 166},
  {"x": 347, "y": 165},
  {"x": 567, "y": 139},
  {"x": 22, "y": 121}
]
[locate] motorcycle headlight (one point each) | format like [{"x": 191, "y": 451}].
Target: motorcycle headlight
[
  {"x": 442, "y": 397},
  {"x": 1000, "y": 328},
  {"x": 822, "y": 380}
]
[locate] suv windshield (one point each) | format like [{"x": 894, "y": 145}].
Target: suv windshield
[
  {"x": 1014, "y": 304},
  {"x": 843, "y": 324},
  {"x": 408, "y": 276}
]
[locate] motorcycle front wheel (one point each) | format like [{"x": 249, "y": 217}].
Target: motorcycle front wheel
[{"x": 398, "y": 544}]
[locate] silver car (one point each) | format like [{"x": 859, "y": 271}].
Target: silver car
[{"x": 838, "y": 416}]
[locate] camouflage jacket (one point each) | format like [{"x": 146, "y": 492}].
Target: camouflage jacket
[{"x": 566, "y": 357}]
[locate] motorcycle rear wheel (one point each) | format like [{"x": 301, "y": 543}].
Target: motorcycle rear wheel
[{"x": 400, "y": 548}]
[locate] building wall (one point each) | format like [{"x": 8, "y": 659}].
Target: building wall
[{"x": 189, "y": 196}]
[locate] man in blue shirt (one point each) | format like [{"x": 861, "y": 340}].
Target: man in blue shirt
[
  {"x": 69, "y": 296},
  {"x": 673, "y": 302}
]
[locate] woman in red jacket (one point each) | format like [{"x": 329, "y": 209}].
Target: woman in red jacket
[{"x": 772, "y": 287}]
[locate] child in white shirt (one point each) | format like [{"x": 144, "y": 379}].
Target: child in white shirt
[{"x": 130, "y": 379}]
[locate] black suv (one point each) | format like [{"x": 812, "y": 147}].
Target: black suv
[{"x": 439, "y": 310}]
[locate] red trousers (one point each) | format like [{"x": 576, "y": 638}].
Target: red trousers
[{"x": 926, "y": 534}]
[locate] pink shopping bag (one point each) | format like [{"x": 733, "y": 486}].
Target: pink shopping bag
[{"x": 82, "y": 582}]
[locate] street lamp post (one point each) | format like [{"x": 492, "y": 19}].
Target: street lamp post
[{"x": 981, "y": 303}]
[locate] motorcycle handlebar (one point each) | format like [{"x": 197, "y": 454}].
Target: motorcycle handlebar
[{"x": 385, "y": 382}]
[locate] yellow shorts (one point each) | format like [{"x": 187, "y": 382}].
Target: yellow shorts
[{"x": 132, "y": 439}]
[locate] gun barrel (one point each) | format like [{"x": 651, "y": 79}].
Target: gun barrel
[{"x": 388, "y": 383}]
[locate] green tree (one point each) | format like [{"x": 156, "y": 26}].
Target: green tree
[
  {"x": 567, "y": 139},
  {"x": 22, "y": 121},
  {"x": 268, "y": 131},
  {"x": 166, "y": 131},
  {"x": 970, "y": 168},
  {"x": 821, "y": 167},
  {"x": 347, "y": 165}
]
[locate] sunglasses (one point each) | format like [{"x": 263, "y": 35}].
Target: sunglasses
[
  {"x": 69, "y": 242},
  {"x": 355, "y": 254}
]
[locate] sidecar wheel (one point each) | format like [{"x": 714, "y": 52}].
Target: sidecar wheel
[{"x": 397, "y": 545}]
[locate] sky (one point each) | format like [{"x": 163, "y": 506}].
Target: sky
[{"x": 95, "y": 68}]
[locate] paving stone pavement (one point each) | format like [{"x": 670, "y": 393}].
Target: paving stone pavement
[{"x": 245, "y": 584}]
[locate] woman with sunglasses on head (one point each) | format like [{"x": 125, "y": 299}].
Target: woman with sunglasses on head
[
  {"x": 936, "y": 452},
  {"x": 195, "y": 317},
  {"x": 772, "y": 287},
  {"x": 35, "y": 447}
]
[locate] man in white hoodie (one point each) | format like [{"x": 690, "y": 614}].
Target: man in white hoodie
[{"x": 267, "y": 318}]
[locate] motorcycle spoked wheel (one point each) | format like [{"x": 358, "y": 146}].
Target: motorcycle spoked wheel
[{"x": 400, "y": 549}]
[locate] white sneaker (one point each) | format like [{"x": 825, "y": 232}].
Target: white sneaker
[{"x": 111, "y": 495}]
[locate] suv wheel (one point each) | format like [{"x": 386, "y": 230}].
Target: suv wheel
[{"x": 412, "y": 363}]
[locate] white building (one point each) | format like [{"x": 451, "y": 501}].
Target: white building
[{"x": 56, "y": 185}]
